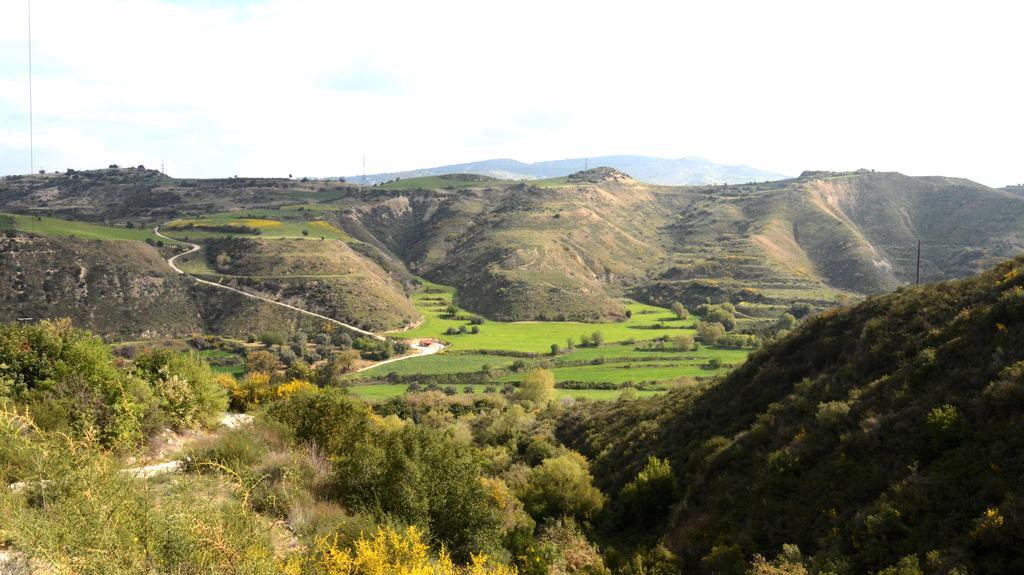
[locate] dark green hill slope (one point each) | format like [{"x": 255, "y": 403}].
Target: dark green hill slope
[{"x": 891, "y": 429}]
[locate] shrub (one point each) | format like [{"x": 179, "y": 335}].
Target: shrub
[
  {"x": 646, "y": 501},
  {"x": 538, "y": 386},
  {"x": 69, "y": 381},
  {"x": 721, "y": 316},
  {"x": 425, "y": 477},
  {"x": 683, "y": 342},
  {"x": 261, "y": 361},
  {"x": 561, "y": 486},
  {"x": 187, "y": 388},
  {"x": 98, "y": 519},
  {"x": 709, "y": 333},
  {"x": 389, "y": 551},
  {"x": 271, "y": 338}
]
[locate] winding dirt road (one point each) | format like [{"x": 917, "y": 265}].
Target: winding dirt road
[
  {"x": 196, "y": 247},
  {"x": 433, "y": 347}
]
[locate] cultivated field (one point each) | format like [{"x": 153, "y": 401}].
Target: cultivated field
[
  {"x": 66, "y": 228},
  {"x": 502, "y": 351},
  {"x": 270, "y": 224}
]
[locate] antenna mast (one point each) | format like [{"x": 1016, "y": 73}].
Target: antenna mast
[{"x": 31, "y": 127}]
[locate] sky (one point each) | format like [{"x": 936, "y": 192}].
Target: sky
[{"x": 308, "y": 87}]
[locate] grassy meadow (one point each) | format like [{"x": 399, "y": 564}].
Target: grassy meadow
[
  {"x": 272, "y": 224},
  {"x": 385, "y": 391},
  {"x": 67, "y": 228},
  {"x": 627, "y": 356},
  {"x": 648, "y": 322}
]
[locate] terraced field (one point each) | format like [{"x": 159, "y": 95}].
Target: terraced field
[
  {"x": 71, "y": 229},
  {"x": 630, "y": 354},
  {"x": 647, "y": 322},
  {"x": 270, "y": 224},
  {"x": 385, "y": 391}
]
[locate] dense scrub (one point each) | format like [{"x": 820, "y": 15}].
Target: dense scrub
[{"x": 888, "y": 433}]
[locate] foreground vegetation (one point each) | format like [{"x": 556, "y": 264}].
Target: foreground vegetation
[{"x": 884, "y": 438}]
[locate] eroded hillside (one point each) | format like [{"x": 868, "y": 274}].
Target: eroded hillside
[{"x": 567, "y": 248}]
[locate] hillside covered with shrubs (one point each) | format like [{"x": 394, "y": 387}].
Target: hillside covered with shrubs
[{"x": 886, "y": 436}]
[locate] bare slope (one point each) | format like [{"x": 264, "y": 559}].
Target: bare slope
[{"x": 327, "y": 277}]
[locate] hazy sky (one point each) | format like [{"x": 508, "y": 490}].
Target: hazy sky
[{"x": 217, "y": 88}]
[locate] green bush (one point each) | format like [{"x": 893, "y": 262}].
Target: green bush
[
  {"x": 186, "y": 387},
  {"x": 561, "y": 486},
  {"x": 69, "y": 381},
  {"x": 646, "y": 501}
]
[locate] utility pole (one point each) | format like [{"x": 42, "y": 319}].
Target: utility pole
[
  {"x": 918, "y": 282},
  {"x": 364, "y": 168},
  {"x": 31, "y": 127}
]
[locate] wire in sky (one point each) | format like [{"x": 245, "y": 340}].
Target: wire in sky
[{"x": 31, "y": 127}]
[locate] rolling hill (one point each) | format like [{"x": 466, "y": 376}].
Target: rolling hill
[
  {"x": 666, "y": 171},
  {"x": 563, "y": 247},
  {"x": 887, "y": 433}
]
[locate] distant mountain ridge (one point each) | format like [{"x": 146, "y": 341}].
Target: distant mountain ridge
[{"x": 653, "y": 170}]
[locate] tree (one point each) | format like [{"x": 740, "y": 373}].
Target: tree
[
  {"x": 569, "y": 344},
  {"x": 647, "y": 499},
  {"x": 718, "y": 314},
  {"x": 683, "y": 342},
  {"x": 555, "y": 350},
  {"x": 679, "y": 311},
  {"x": 709, "y": 332},
  {"x": 786, "y": 322},
  {"x": 561, "y": 486},
  {"x": 260, "y": 361},
  {"x": 340, "y": 363},
  {"x": 538, "y": 386},
  {"x": 270, "y": 338},
  {"x": 474, "y": 329},
  {"x": 598, "y": 338}
]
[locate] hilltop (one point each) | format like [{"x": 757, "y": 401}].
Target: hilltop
[
  {"x": 666, "y": 171},
  {"x": 885, "y": 433}
]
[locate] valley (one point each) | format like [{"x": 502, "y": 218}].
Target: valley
[{"x": 578, "y": 374}]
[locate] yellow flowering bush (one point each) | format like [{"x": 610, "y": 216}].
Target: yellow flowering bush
[
  {"x": 294, "y": 386},
  {"x": 389, "y": 552}
]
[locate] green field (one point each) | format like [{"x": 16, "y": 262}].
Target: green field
[
  {"x": 621, "y": 359},
  {"x": 434, "y": 182},
  {"x": 271, "y": 224},
  {"x": 438, "y": 364},
  {"x": 67, "y": 228},
  {"x": 381, "y": 392},
  {"x": 536, "y": 337},
  {"x": 214, "y": 356},
  {"x": 623, "y": 372}
]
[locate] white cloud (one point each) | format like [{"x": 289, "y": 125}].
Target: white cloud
[{"x": 306, "y": 87}]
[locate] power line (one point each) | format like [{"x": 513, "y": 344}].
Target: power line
[
  {"x": 31, "y": 127},
  {"x": 918, "y": 281}
]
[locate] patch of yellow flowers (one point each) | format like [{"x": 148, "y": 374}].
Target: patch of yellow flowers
[{"x": 388, "y": 552}]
